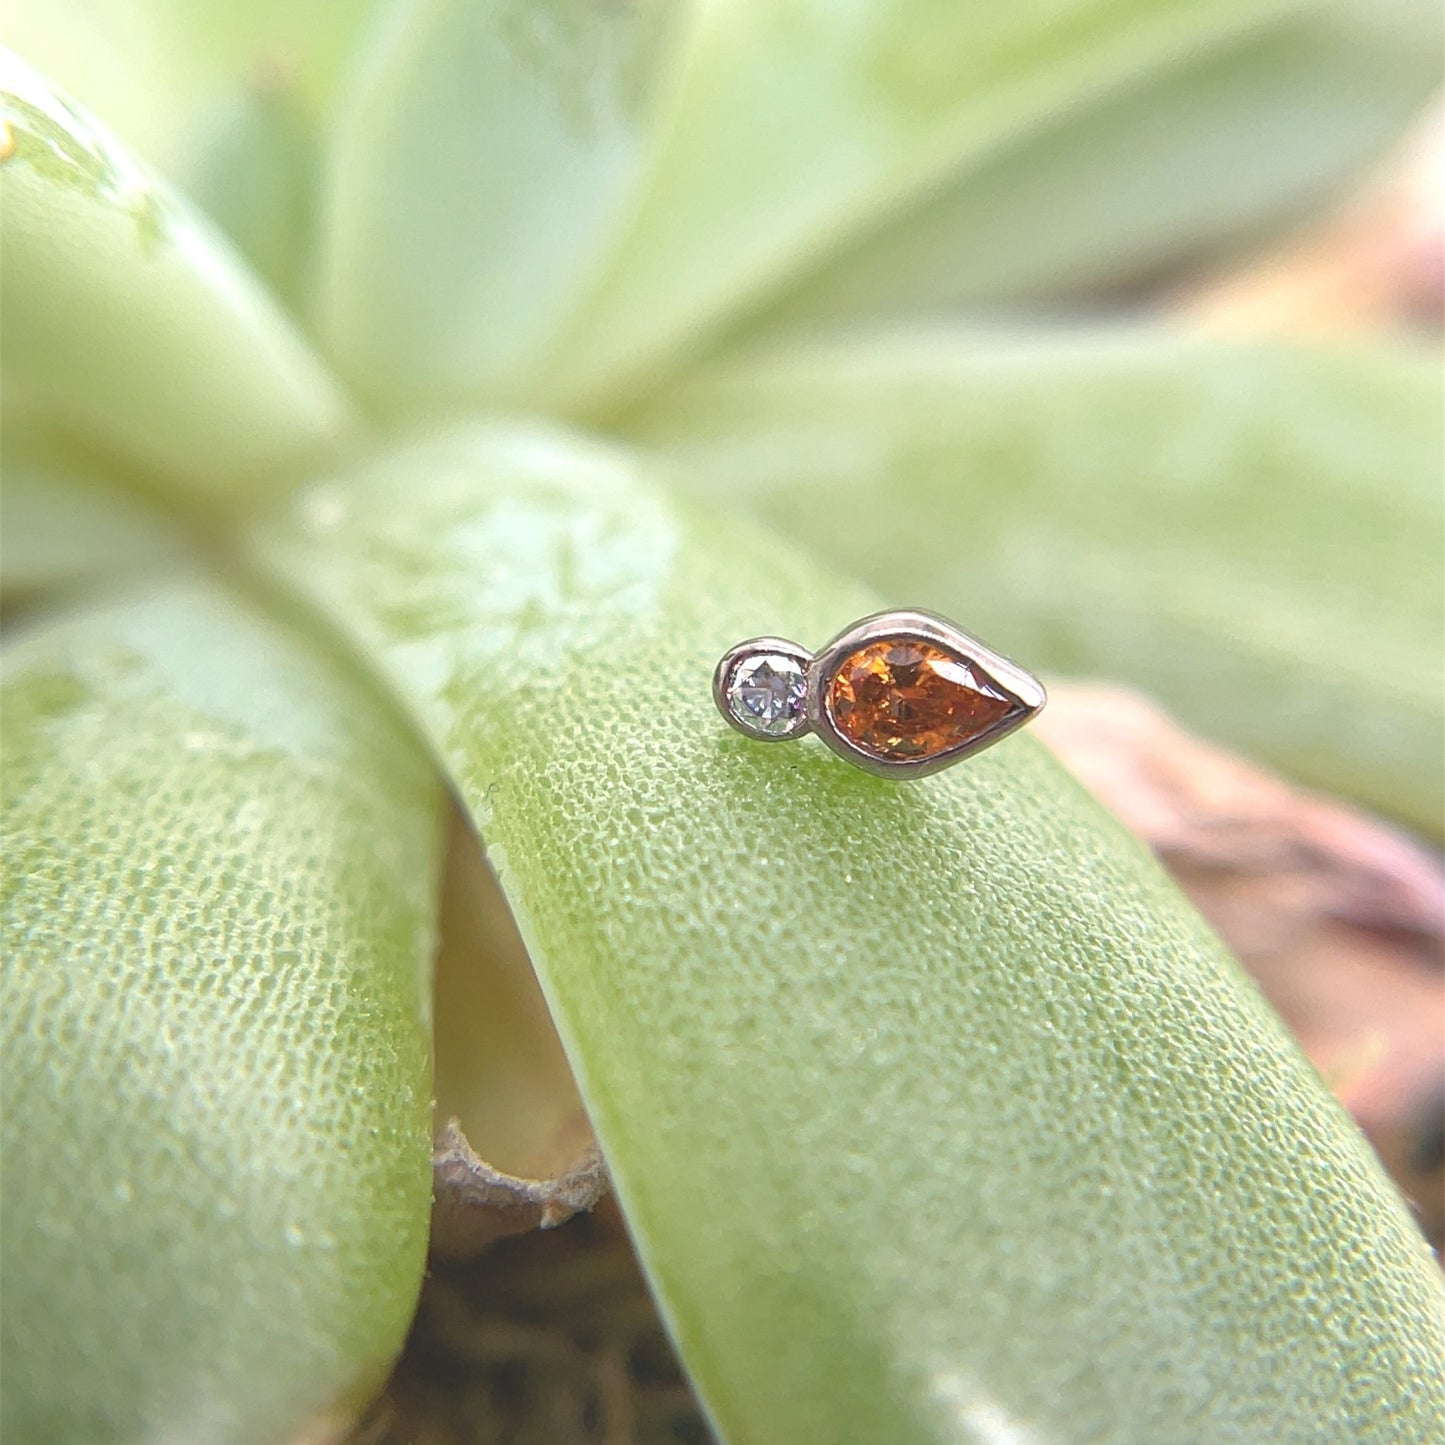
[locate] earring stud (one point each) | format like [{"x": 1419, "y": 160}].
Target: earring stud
[{"x": 899, "y": 694}]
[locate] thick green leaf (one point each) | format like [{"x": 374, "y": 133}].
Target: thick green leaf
[
  {"x": 484, "y": 153},
  {"x": 936, "y": 1112},
  {"x": 130, "y": 322},
  {"x": 1154, "y": 173},
  {"x": 795, "y": 124},
  {"x": 1250, "y": 534},
  {"x": 220, "y": 859}
]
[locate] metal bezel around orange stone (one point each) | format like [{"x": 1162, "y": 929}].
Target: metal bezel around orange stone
[
  {"x": 1014, "y": 683},
  {"x": 990, "y": 675}
]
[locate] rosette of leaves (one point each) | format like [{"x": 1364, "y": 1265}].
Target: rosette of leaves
[{"x": 479, "y": 373}]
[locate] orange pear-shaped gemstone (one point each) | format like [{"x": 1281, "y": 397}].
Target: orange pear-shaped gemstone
[{"x": 907, "y": 699}]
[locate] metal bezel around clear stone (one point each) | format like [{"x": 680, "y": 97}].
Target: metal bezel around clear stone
[{"x": 758, "y": 647}]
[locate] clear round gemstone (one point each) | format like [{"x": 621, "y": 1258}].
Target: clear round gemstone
[{"x": 766, "y": 694}]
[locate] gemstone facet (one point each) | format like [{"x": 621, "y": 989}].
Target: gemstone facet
[
  {"x": 766, "y": 695},
  {"x": 908, "y": 699}
]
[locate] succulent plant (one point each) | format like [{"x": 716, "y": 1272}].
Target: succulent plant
[{"x": 483, "y": 371}]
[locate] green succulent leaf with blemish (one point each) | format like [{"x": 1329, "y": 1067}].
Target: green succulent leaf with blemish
[
  {"x": 132, "y": 325},
  {"x": 70, "y": 155},
  {"x": 848, "y": 1044},
  {"x": 160, "y": 71},
  {"x": 220, "y": 866}
]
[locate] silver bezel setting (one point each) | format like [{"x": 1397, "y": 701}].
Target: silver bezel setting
[
  {"x": 723, "y": 674},
  {"x": 1016, "y": 684},
  {"x": 908, "y": 625}
]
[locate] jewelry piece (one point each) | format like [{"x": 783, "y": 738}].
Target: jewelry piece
[{"x": 899, "y": 694}]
